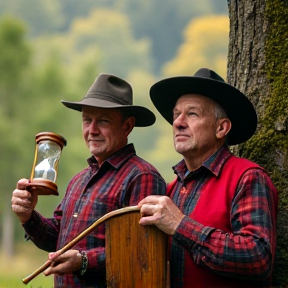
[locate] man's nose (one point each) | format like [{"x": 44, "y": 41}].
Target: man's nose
[
  {"x": 180, "y": 122},
  {"x": 94, "y": 127}
]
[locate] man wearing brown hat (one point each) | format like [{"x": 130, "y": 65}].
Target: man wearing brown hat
[
  {"x": 116, "y": 177},
  {"x": 221, "y": 213}
]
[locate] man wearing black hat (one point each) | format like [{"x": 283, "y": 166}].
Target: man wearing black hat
[
  {"x": 116, "y": 177},
  {"x": 221, "y": 213}
]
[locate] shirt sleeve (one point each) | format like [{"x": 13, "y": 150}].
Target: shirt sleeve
[
  {"x": 248, "y": 251},
  {"x": 144, "y": 184},
  {"x": 43, "y": 232}
]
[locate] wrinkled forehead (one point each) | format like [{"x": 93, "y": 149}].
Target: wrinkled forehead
[
  {"x": 195, "y": 99},
  {"x": 97, "y": 111}
]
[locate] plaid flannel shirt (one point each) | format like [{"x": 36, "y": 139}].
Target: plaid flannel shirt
[
  {"x": 122, "y": 180},
  {"x": 231, "y": 255}
]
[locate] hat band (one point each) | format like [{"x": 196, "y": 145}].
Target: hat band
[{"x": 107, "y": 97}]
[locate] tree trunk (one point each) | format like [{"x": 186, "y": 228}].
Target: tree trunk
[
  {"x": 8, "y": 233},
  {"x": 258, "y": 65}
]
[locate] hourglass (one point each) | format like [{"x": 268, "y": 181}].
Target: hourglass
[{"x": 45, "y": 167}]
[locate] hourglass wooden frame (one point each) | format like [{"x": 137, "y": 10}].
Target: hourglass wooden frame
[{"x": 41, "y": 185}]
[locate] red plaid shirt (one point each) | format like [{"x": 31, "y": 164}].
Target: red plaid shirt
[
  {"x": 122, "y": 180},
  {"x": 236, "y": 254}
]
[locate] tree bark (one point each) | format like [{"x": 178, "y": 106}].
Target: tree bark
[{"x": 258, "y": 65}]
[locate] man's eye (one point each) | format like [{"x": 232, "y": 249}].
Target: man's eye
[
  {"x": 104, "y": 121},
  {"x": 175, "y": 116}
]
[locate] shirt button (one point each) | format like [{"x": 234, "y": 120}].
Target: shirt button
[
  {"x": 183, "y": 190},
  {"x": 75, "y": 215}
]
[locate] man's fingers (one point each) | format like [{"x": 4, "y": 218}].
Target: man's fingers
[
  {"x": 20, "y": 204},
  {"x": 150, "y": 214},
  {"x": 19, "y": 209},
  {"x": 57, "y": 264},
  {"x": 23, "y": 194},
  {"x": 67, "y": 262},
  {"x": 53, "y": 255},
  {"x": 148, "y": 210},
  {"x": 25, "y": 202},
  {"x": 55, "y": 268},
  {"x": 22, "y": 183},
  {"x": 148, "y": 220},
  {"x": 147, "y": 200},
  {"x": 151, "y": 199}
]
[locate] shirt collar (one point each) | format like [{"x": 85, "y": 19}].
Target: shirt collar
[
  {"x": 117, "y": 159},
  {"x": 214, "y": 163}
]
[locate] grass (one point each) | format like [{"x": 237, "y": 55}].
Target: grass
[
  {"x": 14, "y": 282},
  {"x": 26, "y": 260}
]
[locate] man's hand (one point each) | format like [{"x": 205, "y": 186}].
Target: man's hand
[
  {"x": 23, "y": 201},
  {"x": 160, "y": 211},
  {"x": 68, "y": 262}
]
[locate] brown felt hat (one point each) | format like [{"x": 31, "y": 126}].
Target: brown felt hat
[
  {"x": 110, "y": 91},
  {"x": 239, "y": 109}
]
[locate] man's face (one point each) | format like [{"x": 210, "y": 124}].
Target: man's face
[
  {"x": 194, "y": 125},
  {"x": 104, "y": 131}
]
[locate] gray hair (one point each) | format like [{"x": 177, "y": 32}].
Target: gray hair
[{"x": 219, "y": 111}]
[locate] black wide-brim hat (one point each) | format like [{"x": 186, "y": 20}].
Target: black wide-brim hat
[
  {"x": 110, "y": 91},
  {"x": 238, "y": 107}
]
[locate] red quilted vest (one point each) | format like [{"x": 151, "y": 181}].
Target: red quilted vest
[{"x": 213, "y": 210}]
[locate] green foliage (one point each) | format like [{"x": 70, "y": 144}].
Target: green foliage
[
  {"x": 205, "y": 45},
  {"x": 40, "y": 16},
  {"x": 164, "y": 23},
  {"x": 161, "y": 24},
  {"x": 110, "y": 32},
  {"x": 104, "y": 39},
  {"x": 14, "y": 62},
  {"x": 14, "y": 53},
  {"x": 12, "y": 271}
]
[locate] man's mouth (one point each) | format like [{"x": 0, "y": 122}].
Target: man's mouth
[{"x": 177, "y": 136}]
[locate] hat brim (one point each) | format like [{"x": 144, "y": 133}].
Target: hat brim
[
  {"x": 143, "y": 116},
  {"x": 240, "y": 110}
]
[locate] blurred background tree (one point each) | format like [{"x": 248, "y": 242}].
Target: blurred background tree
[
  {"x": 205, "y": 44},
  {"x": 161, "y": 24},
  {"x": 14, "y": 62}
]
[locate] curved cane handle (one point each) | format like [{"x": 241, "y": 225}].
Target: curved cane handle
[{"x": 69, "y": 245}]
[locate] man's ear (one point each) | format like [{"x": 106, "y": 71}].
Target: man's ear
[
  {"x": 128, "y": 125},
  {"x": 223, "y": 128}
]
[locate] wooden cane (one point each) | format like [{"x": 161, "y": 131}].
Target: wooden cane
[{"x": 69, "y": 245}]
